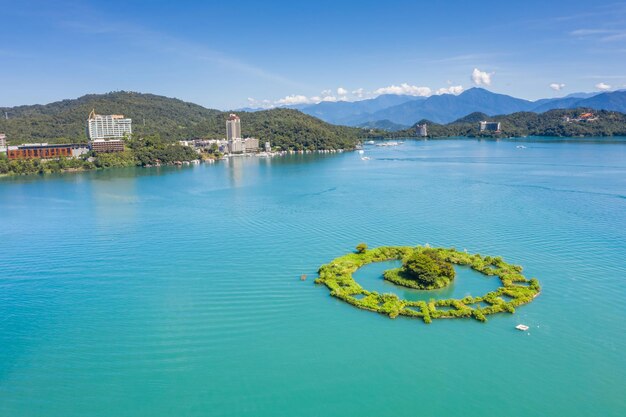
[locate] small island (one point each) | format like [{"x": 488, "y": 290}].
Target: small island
[{"x": 427, "y": 268}]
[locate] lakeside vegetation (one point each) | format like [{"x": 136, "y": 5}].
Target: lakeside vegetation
[
  {"x": 516, "y": 290},
  {"x": 148, "y": 151},
  {"x": 560, "y": 123},
  {"x": 172, "y": 120}
]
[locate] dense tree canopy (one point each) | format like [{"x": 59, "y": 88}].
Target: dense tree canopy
[
  {"x": 427, "y": 266},
  {"x": 172, "y": 120}
]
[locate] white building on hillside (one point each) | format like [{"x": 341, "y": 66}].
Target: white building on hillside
[
  {"x": 489, "y": 126},
  {"x": 106, "y": 127}
]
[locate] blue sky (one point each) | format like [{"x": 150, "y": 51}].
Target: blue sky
[{"x": 235, "y": 54}]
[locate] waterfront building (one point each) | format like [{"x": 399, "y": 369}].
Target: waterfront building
[
  {"x": 268, "y": 147},
  {"x": 201, "y": 143},
  {"x": 251, "y": 144},
  {"x": 236, "y": 146},
  {"x": 233, "y": 127},
  {"x": 108, "y": 127},
  {"x": 46, "y": 151},
  {"x": 106, "y": 146},
  {"x": 422, "y": 130},
  {"x": 489, "y": 126}
]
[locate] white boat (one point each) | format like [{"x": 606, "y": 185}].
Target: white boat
[
  {"x": 361, "y": 152},
  {"x": 521, "y": 147},
  {"x": 370, "y": 142},
  {"x": 365, "y": 158},
  {"x": 522, "y": 327}
]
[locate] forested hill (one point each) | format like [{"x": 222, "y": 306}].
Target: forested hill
[
  {"x": 565, "y": 123},
  {"x": 172, "y": 119}
]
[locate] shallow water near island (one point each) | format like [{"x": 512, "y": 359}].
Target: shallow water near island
[{"x": 176, "y": 291}]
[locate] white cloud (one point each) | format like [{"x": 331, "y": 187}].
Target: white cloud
[
  {"x": 293, "y": 99},
  {"x": 453, "y": 89},
  {"x": 296, "y": 99},
  {"x": 265, "y": 104},
  {"x": 481, "y": 77},
  {"x": 557, "y": 86},
  {"x": 589, "y": 32},
  {"x": 359, "y": 92},
  {"x": 603, "y": 86},
  {"x": 327, "y": 95},
  {"x": 406, "y": 89},
  {"x": 604, "y": 35},
  {"x": 342, "y": 94}
]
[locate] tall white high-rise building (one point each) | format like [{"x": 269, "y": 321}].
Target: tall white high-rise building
[
  {"x": 233, "y": 127},
  {"x": 112, "y": 126},
  {"x": 3, "y": 140}
]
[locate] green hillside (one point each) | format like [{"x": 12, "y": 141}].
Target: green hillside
[
  {"x": 171, "y": 119},
  {"x": 550, "y": 123}
]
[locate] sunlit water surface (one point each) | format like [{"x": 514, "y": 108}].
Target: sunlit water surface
[{"x": 177, "y": 291}]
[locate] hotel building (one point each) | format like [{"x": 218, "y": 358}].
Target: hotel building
[
  {"x": 489, "y": 126},
  {"x": 109, "y": 127},
  {"x": 46, "y": 151},
  {"x": 233, "y": 127}
]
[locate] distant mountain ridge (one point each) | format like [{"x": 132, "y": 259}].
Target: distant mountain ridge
[
  {"x": 445, "y": 108},
  {"x": 352, "y": 112},
  {"x": 558, "y": 122}
]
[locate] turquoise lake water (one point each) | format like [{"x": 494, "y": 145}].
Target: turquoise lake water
[{"x": 177, "y": 292}]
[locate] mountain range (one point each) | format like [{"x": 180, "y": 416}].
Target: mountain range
[
  {"x": 173, "y": 119},
  {"x": 393, "y": 112}
]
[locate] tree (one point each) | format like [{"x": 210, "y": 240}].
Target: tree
[
  {"x": 427, "y": 266},
  {"x": 361, "y": 247}
]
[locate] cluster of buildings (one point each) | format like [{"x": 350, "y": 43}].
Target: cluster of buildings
[
  {"x": 489, "y": 126},
  {"x": 234, "y": 141},
  {"x": 233, "y": 144},
  {"x": 106, "y": 133},
  {"x": 583, "y": 117}
]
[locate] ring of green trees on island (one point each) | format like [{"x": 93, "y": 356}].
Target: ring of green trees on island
[{"x": 427, "y": 268}]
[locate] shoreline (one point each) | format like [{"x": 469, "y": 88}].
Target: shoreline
[
  {"x": 177, "y": 163},
  {"x": 364, "y": 141}
]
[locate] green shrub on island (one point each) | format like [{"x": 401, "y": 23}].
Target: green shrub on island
[
  {"x": 424, "y": 269},
  {"x": 516, "y": 290},
  {"x": 361, "y": 248}
]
